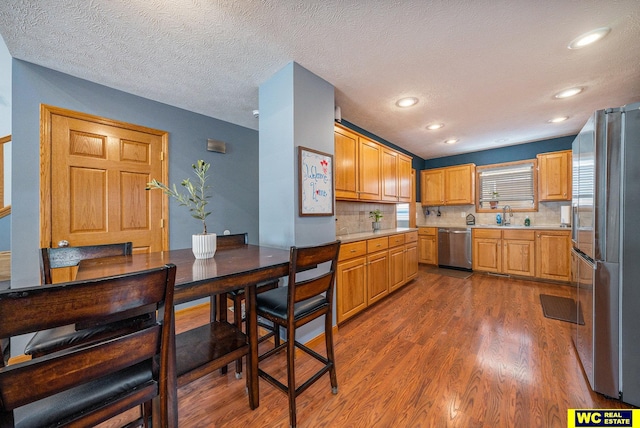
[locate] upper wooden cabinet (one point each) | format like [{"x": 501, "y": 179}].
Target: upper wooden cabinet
[
  {"x": 448, "y": 186},
  {"x": 346, "y": 161},
  {"x": 368, "y": 171},
  {"x": 554, "y": 176}
]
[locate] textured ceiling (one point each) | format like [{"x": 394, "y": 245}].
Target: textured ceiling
[{"x": 488, "y": 69}]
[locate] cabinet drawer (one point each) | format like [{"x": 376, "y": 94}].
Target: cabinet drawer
[
  {"x": 410, "y": 237},
  {"x": 396, "y": 240},
  {"x": 377, "y": 244},
  {"x": 519, "y": 234},
  {"x": 487, "y": 233},
  {"x": 352, "y": 249},
  {"x": 427, "y": 231}
]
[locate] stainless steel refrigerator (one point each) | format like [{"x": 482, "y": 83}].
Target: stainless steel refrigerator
[{"x": 606, "y": 250}]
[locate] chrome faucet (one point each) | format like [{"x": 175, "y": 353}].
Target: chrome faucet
[{"x": 505, "y": 220}]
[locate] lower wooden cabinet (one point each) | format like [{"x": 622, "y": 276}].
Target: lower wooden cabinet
[
  {"x": 553, "y": 255},
  {"x": 428, "y": 245},
  {"x": 369, "y": 270},
  {"x": 509, "y": 252},
  {"x": 411, "y": 255},
  {"x": 532, "y": 253}
]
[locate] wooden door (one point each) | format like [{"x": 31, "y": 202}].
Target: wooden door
[
  {"x": 487, "y": 254},
  {"x": 411, "y": 261},
  {"x": 397, "y": 266},
  {"x": 389, "y": 175},
  {"x": 93, "y": 177},
  {"x": 554, "y": 176},
  {"x": 350, "y": 287},
  {"x": 518, "y": 257},
  {"x": 369, "y": 170},
  {"x": 552, "y": 255},
  {"x": 432, "y": 187},
  {"x": 458, "y": 185},
  {"x": 377, "y": 276},
  {"x": 405, "y": 179},
  {"x": 346, "y": 163},
  {"x": 427, "y": 249}
]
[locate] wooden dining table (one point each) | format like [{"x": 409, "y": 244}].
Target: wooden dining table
[{"x": 210, "y": 347}]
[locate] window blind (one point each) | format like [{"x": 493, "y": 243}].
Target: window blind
[{"x": 511, "y": 185}]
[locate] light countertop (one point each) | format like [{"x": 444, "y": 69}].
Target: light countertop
[
  {"x": 359, "y": 236},
  {"x": 512, "y": 226}
]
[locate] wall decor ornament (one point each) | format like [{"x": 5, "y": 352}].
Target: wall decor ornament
[{"x": 315, "y": 182}]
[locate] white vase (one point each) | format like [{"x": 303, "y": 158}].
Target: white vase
[{"x": 203, "y": 246}]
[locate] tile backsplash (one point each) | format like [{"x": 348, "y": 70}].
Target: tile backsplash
[
  {"x": 353, "y": 217},
  {"x": 548, "y": 214}
]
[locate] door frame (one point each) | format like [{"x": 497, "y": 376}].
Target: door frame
[{"x": 46, "y": 113}]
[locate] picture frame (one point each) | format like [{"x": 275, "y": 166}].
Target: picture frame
[{"x": 315, "y": 183}]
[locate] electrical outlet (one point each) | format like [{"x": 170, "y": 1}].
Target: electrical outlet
[{"x": 463, "y": 214}]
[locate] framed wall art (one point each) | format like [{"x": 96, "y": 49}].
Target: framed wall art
[{"x": 315, "y": 182}]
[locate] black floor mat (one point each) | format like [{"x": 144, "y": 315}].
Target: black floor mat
[{"x": 561, "y": 308}]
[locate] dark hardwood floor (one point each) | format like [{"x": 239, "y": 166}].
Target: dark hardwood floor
[{"x": 440, "y": 352}]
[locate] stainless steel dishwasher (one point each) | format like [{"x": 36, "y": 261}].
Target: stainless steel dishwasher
[{"x": 454, "y": 248}]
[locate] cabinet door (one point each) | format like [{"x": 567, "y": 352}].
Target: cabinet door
[
  {"x": 432, "y": 187},
  {"x": 411, "y": 261},
  {"x": 487, "y": 254},
  {"x": 427, "y": 249},
  {"x": 553, "y": 255},
  {"x": 369, "y": 170},
  {"x": 377, "y": 276},
  {"x": 346, "y": 161},
  {"x": 554, "y": 176},
  {"x": 351, "y": 287},
  {"x": 518, "y": 257},
  {"x": 389, "y": 175},
  {"x": 404, "y": 178},
  {"x": 459, "y": 186},
  {"x": 396, "y": 267}
]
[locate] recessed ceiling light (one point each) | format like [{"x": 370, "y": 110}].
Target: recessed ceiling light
[
  {"x": 558, "y": 119},
  {"x": 568, "y": 93},
  {"x": 407, "y": 102},
  {"x": 588, "y": 38},
  {"x": 451, "y": 141},
  {"x": 435, "y": 126}
]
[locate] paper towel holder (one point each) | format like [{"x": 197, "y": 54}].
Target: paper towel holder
[{"x": 565, "y": 216}]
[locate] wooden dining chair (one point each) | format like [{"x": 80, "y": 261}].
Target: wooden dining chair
[
  {"x": 44, "y": 342},
  {"x": 86, "y": 384},
  {"x": 305, "y": 298},
  {"x": 237, "y": 296},
  {"x": 65, "y": 257}
]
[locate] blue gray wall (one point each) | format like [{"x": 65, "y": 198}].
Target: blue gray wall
[
  {"x": 504, "y": 154},
  {"x": 235, "y": 174},
  {"x": 5, "y": 129}
]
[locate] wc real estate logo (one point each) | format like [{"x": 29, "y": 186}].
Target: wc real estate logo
[{"x": 603, "y": 418}]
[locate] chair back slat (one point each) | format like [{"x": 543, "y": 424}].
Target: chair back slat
[
  {"x": 76, "y": 302},
  {"x": 232, "y": 241},
  {"x": 64, "y": 257},
  {"x": 48, "y": 376},
  {"x": 305, "y": 258},
  {"x": 137, "y": 353}
]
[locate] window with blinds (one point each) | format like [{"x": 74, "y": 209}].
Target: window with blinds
[{"x": 512, "y": 184}]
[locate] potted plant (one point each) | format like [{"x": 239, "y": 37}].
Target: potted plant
[
  {"x": 494, "y": 202},
  {"x": 376, "y": 215},
  {"x": 195, "y": 199}
]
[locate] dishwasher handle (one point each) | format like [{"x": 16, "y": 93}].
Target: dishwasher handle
[{"x": 458, "y": 231}]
